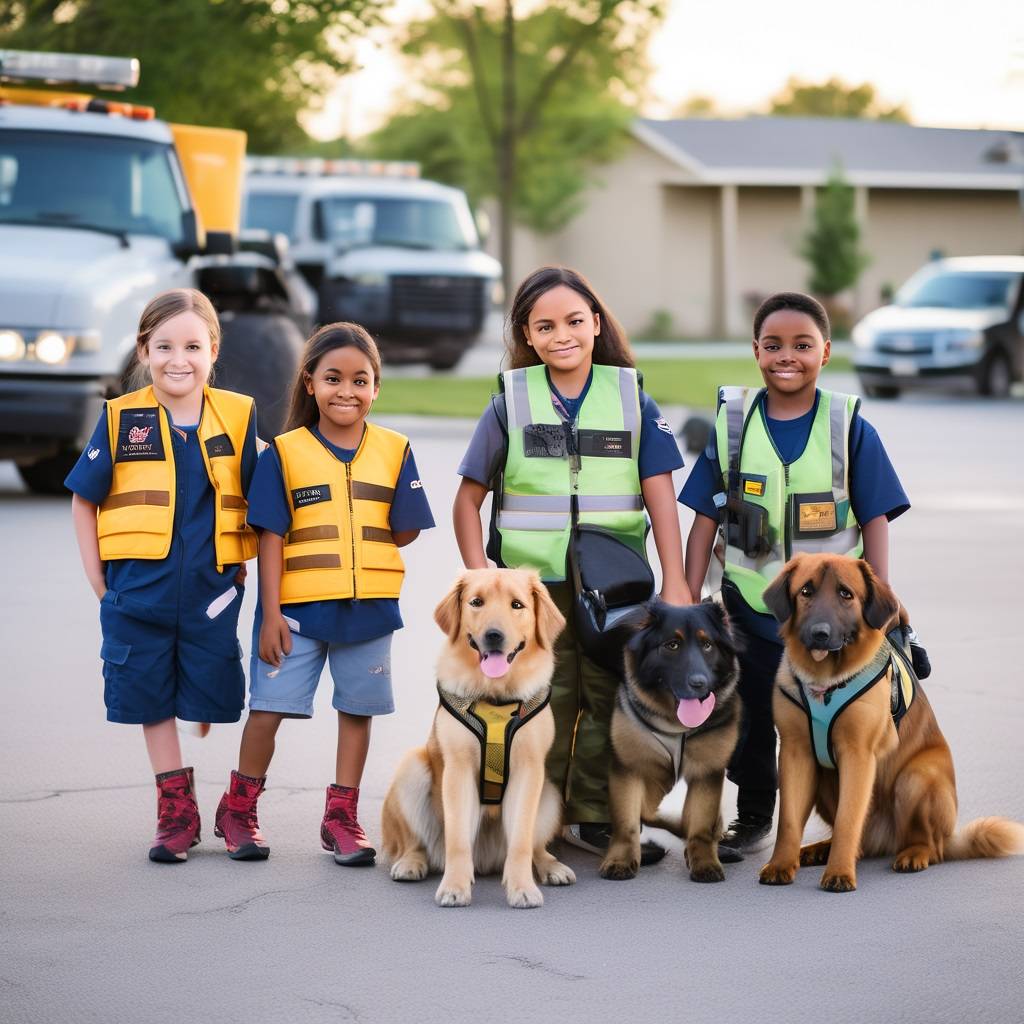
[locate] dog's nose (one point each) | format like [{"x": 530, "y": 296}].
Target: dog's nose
[
  {"x": 494, "y": 639},
  {"x": 699, "y": 683},
  {"x": 821, "y": 633}
]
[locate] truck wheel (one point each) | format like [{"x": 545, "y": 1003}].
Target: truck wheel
[
  {"x": 994, "y": 377},
  {"x": 259, "y": 355},
  {"x": 445, "y": 354},
  {"x": 46, "y": 476},
  {"x": 879, "y": 390}
]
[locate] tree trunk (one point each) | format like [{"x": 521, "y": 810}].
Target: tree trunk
[{"x": 507, "y": 151}]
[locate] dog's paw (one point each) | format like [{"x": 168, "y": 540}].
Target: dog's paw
[
  {"x": 619, "y": 870},
  {"x": 557, "y": 874},
  {"x": 909, "y": 861},
  {"x": 838, "y": 882},
  {"x": 409, "y": 869},
  {"x": 707, "y": 873},
  {"x": 452, "y": 895},
  {"x": 815, "y": 854},
  {"x": 777, "y": 874},
  {"x": 524, "y": 897}
]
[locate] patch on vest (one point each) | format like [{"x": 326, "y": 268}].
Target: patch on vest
[
  {"x": 545, "y": 441},
  {"x": 606, "y": 444},
  {"x": 302, "y": 496},
  {"x": 138, "y": 436},
  {"x": 219, "y": 445},
  {"x": 815, "y": 513},
  {"x": 754, "y": 485}
]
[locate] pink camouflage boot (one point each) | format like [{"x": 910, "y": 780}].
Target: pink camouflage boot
[
  {"x": 341, "y": 832},
  {"x": 177, "y": 826},
  {"x": 236, "y": 822}
]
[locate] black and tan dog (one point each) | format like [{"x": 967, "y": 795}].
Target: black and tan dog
[
  {"x": 676, "y": 716},
  {"x": 859, "y": 740}
]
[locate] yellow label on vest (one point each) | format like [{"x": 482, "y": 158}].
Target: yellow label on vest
[
  {"x": 755, "y": 487},
  {"x": 817, "y": 516}
]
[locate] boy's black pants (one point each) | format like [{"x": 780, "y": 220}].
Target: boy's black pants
[{"x": 754, "y": 767}]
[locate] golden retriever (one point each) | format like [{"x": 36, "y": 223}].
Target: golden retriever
[
  {"x": 894, "y": 791},
  {"x": 501, "y": 625}
]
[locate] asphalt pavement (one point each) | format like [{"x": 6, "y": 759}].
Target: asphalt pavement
[{"x": 91, "y": 931}]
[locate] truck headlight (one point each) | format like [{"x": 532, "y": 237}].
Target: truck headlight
[
  {"x": 51, "y": 347},
  {"x": 964, "y": 339},
  {"x": 862, "y": 337},
  {"x": 12, "y": 346},
  {"x": 370, "y": 280}
]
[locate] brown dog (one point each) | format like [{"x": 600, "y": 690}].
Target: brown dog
[
  {"x": 475, "y": 798},
  {"x": 894, "y": 793}
]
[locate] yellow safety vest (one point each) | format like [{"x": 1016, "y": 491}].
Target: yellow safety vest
[
  {"x": 136, "y": 519},
  {"x": 339, "y": 545}
]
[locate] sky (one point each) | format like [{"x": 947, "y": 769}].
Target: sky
[{"x": 950, "y": 63}]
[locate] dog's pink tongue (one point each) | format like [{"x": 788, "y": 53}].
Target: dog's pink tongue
[
  {"x": 494, "y": 664},
  {"x": 695, "y": 712}
]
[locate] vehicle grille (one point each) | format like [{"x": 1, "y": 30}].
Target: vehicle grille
[
  {"x": 455, "y": 303},
  {"x": 905, "y": 343}
]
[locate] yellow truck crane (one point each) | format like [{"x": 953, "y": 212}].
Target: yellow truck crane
[{"x": 102, "y": 206}]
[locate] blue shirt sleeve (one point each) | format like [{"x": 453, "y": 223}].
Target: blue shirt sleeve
[
  {"x": 409, "y": 507},
  {"x": 268, "y": 501},
  {"x": 701, "y": 486},
  {"x": 486, "y": 449},
  {"x": 875, "y": 489},
  {"x": 659, "y": 452},
  {"x": 93, "y": 473}
]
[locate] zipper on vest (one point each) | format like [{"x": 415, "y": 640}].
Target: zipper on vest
[
  {"x": 351, "y": 528},
  {"x": 787, "y": 542}
]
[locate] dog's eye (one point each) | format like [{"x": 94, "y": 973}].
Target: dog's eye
[
  {"x": 517, "y": 605},
  {"x": 806, "y": 590},
  {"x": 706, "y": 645},
  {"x": 476, "y": 602},
  {"x": 846, "y": 595},
  {"x": 671, "y": 645}
]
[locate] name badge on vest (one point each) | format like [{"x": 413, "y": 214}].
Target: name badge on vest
[
  {"x": 606, "y": 444},
  {"x": 219, "y": 445},
  {"x": 815, "y": 514},
  {"x": 302, "y": 496},
  {"x": 138, "y": 436}
]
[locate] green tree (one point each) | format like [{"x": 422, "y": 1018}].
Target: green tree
[
  {"x": 520, "y": 107},
  {"x": 833, "y": 99},
  {"x": 249, "y": 64},
  {"x": 832, "y": 243}
]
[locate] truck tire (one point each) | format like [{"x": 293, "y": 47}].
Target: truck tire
[
  {"x": 259, "y": 355},
  {"x": 446, "y": 353},
  {"x": 879, "y": 390},
  {"x": 46, "y": 476},
  {"x": 995, "y": 377}
]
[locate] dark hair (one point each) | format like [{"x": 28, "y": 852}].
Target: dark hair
[
  {"x": 611, "y": 346},
  {"x": 302, "y": 408},
  {"x": 159, "y": 310},
  {"x": 799, "y": 303}
]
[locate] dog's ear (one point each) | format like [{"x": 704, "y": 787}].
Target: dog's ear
[
  {"x": 880, "y": 603},
  {"x": 548, "y": 619},
  {"x": 448, "y": 614},
  {"x": 777, "y": 596},
  {"x": 641, "y": 623},
  {"x": 720, "y": 618}
]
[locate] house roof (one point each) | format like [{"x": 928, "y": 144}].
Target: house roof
[{"x": 802, "y": 151}]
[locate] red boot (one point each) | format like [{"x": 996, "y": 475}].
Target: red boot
[
  {"x": 236, "y": 821},
  {"x": 341, "y": 831},
  {"x": 177, "y": 826}
]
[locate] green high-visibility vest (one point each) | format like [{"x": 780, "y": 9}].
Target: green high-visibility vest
[
  {"x": 543, "y": 478},
  {"x": 808, "y": 501}
]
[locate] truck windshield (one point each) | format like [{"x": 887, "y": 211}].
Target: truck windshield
[
  {"x": 352, "y": 222},
  {"x": 115, "y": 185},
  {"x": 960, "y": 290},
  {"x": 272, "y": 211}
]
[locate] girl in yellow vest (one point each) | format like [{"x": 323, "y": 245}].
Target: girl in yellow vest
[
  {"x": 573, "y": 435},
  {"x": 159, "y": 511},
  {"x": 333, "y": 499}
]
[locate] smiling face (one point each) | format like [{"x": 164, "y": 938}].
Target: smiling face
[
  {"x": 561, "y": 328},
  {"x": 179, "y": 355},
  {"x": 344, "y": 387},
  {"x": 790, "y": 352}
]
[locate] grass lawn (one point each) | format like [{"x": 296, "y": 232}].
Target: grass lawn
[{"x": 689, "y": 382}]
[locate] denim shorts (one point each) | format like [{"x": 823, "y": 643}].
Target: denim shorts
[{"x": 361, "y": 674}]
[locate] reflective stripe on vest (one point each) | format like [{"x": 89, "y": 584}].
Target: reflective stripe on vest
[
  {"x": 136, "y": 519},
  {"x": 534, "y": 516},
  {"x": 339, "y": 544},
  {"x": 807, "y": 500}
]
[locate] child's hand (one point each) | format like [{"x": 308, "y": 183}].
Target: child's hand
[{"x": 275, "y": 640}]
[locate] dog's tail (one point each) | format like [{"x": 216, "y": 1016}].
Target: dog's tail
[{"x": 986, "y": 837}]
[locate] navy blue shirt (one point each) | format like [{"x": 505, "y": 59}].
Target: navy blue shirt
[
  {"x": 344, "y": 621},
  {"x": 875, "y": 489},
  {"x": 658, "y": 452},
  {"x": 187, "y": 579}
]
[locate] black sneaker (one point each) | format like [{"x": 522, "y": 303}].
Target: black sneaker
[
  {"x": 747, "y": 834},
  {"x": 594, "y": 837}
]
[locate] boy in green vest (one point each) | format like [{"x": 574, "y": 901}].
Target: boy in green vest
[{"x": 789, "y": 468}]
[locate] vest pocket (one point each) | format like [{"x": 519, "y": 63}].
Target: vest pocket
[
  {"x": 381, "y": 555},
  {"x": 149, "y": 515}
]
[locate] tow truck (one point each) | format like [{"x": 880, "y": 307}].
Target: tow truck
[{"x": 102, "y": 206}]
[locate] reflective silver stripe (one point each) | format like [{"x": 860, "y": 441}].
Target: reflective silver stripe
[
  {"x": 838, "y": 543},
  {"x": 734, "y": 424},
  {"x": 535, "y": 503},
  {"x": 532, "y": 521},
  {"x": 837, "y": 429},
  {"x": 630, "y": 404},
  {"x": 517, "y": 399},
  {"x": 772, "y": 562},
  {"x": 611, "y": 502}
]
